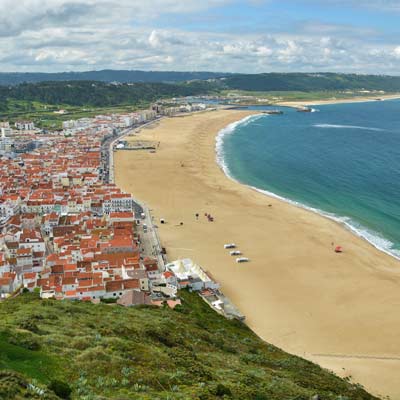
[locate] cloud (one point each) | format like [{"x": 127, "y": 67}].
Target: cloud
[{"x": 59, "y": 35}]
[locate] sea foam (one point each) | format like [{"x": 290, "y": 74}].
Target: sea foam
[
  {"x": 372, "y": 237},
  {"x": 228, "y": 130},
  {"x": 332, "y": 126}
]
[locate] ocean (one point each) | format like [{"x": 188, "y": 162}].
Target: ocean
[{"x": 342, "y": 161}]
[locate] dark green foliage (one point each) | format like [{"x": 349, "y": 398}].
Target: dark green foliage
[
  {"x": 109, "y": 301},
  {"x": 109, "y": 352},
  {"x": 29, "y": 325},
  {"x": 311, "y": 82},
  {"x": 221, "y": 390},
  {"x": 61, "y": 389},
  {"x": 98, "y": 94},
  {"x": 106, "y": 76},
  {"x": 253, "y": 82}
]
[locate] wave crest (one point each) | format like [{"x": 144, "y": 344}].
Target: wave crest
[
  {"x": 359, "y": 230},
  {"x": 332, "y": 126},
  {"x": 228, "y": 130}
]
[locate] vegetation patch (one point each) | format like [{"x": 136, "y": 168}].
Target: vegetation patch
[{"x": 86, "y": 351}]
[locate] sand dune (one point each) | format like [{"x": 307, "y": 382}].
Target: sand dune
[{"x": 340, "y": 310}]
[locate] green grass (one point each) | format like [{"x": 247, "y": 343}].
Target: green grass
[
  {"x": 44, "y": 117},
  {"x": 154, "y": 353},
  {"x": 35, "y": 364}
]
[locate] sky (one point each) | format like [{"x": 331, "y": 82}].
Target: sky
[{"x": 249, "y": 36}]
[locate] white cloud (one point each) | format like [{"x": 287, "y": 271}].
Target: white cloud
[{"x": 59, "y": 35}]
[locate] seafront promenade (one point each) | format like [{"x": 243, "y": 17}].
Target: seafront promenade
[{"x": 150, "y": 241}]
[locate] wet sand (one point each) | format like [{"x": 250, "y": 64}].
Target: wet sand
[{"x": 339, "y": 310}]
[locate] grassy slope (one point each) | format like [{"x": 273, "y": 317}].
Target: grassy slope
[
  {"x": 110, "y": 352},
  {"x": 44, "y": 117}
]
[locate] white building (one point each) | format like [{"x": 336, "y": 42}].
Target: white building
[
  {"x": 25, "y": 125},
  {"x": 191, "y": 275},
  {"x": 6, "y": 132},
  {"x": 8, "y": 209},
  {"x": 118, "y": 202}
]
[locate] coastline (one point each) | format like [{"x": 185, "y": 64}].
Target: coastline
[
  {"x": 299, "y": 104},
  {"x": 362, "y": 232},
  {"x": 292, "y": 261}
]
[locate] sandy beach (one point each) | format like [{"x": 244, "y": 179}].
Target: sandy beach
[
  {"x": 339, "y": 310},
  {"x": 361, "y": 99}
]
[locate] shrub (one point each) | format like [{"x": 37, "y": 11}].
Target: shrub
[
  {"x": 61, "y": 389},
  {"x": 222, "y": 390},
  {"x": 29, "y": 325},
  {"x": 109, "y": 301},
  {"x": 24, "y": 339}
]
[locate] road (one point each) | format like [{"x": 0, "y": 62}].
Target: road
[{"x": 150, "y": 242}]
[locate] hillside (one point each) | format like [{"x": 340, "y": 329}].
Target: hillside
[
  {"x": 109, "y": 352},
  {"x": 99, "y": 94},
  {"x": 38, "y": 101},
  {"x": 303, "y": 82},
  {"x": 311, "y": 82},
  {"x": 15, "y": 78}
]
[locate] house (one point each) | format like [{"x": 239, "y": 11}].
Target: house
[
  {"x": 9, "y": 283},
  {"x": 31, "y": 238},
  {"x": 133, "y": 298},
  {"x": 151, "y": 267}
]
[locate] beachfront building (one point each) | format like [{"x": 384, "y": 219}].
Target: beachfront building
[{"x": 190, "y": 275}]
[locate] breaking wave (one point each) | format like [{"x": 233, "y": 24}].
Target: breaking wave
[
  {"x": 332, "y": 126},
  {"x": 228, "y": 130},
  {"x": 374, "y": 238}
]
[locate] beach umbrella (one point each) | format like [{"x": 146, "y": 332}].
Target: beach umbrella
[{"x": 338, "y": 249}]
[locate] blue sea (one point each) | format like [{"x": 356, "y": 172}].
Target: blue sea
[{"x": 342, "y": 161}]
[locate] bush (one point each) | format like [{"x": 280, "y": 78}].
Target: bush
[
  {"x": 164, "y": 337},
  {"x": 181, "y": 309},
  {"x": 222, "y": 390},
  {"x": 61, "y": 389},
  {"x": 109, "y": 301},
  {"x": 24, "y": 339},
  {"x": 29, "y": 325}
]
